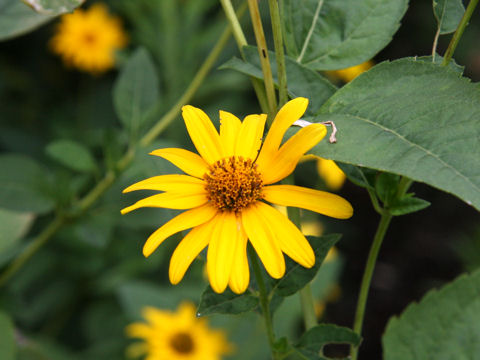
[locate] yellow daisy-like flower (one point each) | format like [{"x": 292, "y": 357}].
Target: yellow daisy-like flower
[
  {"x": 225, "y": 193},
  {"x": 176, "y": 335},
  {"x": 352, "y": 72},
  {"x": 88, "y": 39},
  {"x": 333, "y": 176}
]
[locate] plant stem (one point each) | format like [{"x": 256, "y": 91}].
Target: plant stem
[
  {"x": 264, "y": 58},
  {"x": 459, "y": 32},
  {"x": 367, "y": 275},
  {"x": 110, "y": 176},
  {"x": 306, "y": 296},
  {"x": 32, "y": 248},
  {"x": 241, "y": 42},
  {"x": 279, "y": 52},
  {"x": 264, "y": 301}
]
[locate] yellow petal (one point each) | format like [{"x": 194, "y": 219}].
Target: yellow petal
[
  {"x": 188, "y": 249},
  {"x": 185, "y": 220},
  {"x": 250, "y": 136},
  {"x": 229, "y": 129},
  {"x": 287, "y": 157},
  {"x": 170, "y": 200},
  {"x": 203, "y": 134},
  {"x": 263, "y": 241},
  {"x": 333, "y": 176},
  {"x": 221, "y": 250},
  {"x": 139, "y": 330},
  {"x": 187, "y": 161},
  {"x": 292, "y": 242},
  {"x": 286, "y": 116},
  {"x": 176, "y": 183},
  {"x": 240, "y": 276},
  {"x": 319, "y": 201}
]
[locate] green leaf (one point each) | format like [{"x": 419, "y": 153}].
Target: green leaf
[
  {"x": 336, "y": 34},
  {"x": 386, "y": 186},
  {"x": 8, "y": 347},
  {"x": 53, "y": 7},
  {"x": 312, "y": 342},
  {"x": 17, "y": 19},
  {"x": 296, "y": 276},
  {"x": 363, "y": 177},
  {"x": 411, "y": 118},
  {"x": 72, "y": 155},
  {"x": 13, "y": 226},
  {"x": 302, "y": 81},
  {"x": 226, "y": 302},
  {"x": 445, "y": 324},
  {"x": 448, "y": 14},
  {"x": 136, "y": 91},
  {"x": 407, "y": 205},
  {"x": 23, "y": 185}
]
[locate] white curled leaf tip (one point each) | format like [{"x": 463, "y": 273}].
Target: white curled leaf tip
[{"x": 59, "y": 7}]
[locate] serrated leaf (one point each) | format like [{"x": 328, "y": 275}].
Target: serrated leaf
[
  {"x": 53, "y": 7},
  {"x": 225, "y": 303},
  {"x": 301, "y": 80},
  {"x": 16, "y": 19},
  {"x": 445, "y": 324},
  {"x": 410, "y": 118},
  {"x": 296, "y": 276},
  {"x": 136, "y": 91},
  {"x": 448, "y": 14},
  {"x": 7, "y": 339},
  {"x": 336, "y": 34},
  {"x": 23, "y": 185},
  {"x": 407, "y": 205},
  {"x": 312, "y": 342},
  {"x": 71, "y": 154},
  {"x": 13, "y": 226}
]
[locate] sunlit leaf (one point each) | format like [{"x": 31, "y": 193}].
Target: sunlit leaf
[{"x": 410, "y": 118}]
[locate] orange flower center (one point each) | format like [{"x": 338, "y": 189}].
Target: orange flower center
[
  {"x": 233, "y": 183},
  {"x": 182, "y": 343}
]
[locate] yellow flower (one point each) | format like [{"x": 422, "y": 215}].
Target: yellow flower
[
  {"x": 88, "y": 39},
  {"x": 176, "y": 335},
  {"x": 333, "y": 176},
  {"x": 225, "y": 190},
  {"x": 352, "y": 72}
]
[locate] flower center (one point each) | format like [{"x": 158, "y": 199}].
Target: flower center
[
  {"x": 233, "y": 184},
  {"x": 182, "y": 343}
]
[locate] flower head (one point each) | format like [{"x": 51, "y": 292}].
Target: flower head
[
  {"x": 88, "y": 39},
  {"x": 176, "y": 335},
  {"x": 225, "y": 193}
]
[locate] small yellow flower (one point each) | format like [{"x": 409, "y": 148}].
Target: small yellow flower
[
  {"x": 352, "y": 72},
  {"x": 333, "y": 176},
  {"x": 225, "y": 193},
  {"x": 176, "y": 335},
  {"x": 88, "y": 39}
]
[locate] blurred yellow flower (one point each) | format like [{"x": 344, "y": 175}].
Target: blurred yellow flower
[
  {"x": 225, "y": 190},
  {"x": 333, "y": 176},
  {"x": 348, "y": 74},
  {"x": 176, "y": 335},
  {"x": 88, "y": 39}
]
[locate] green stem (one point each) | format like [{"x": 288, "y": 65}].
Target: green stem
[
  {"x": 264, "y": 301},
  {"x": 241, "y": 42},
  {"x": 367, "y": 275},
  {"x": 279, "y": 52},
  {"x": 459, "y": 32},
  {"x": 306, "y": 296},
  {"x": 32, "y": 248},
  {"x": 264, "y": 58},
  {"x": 99, "y": 189}
]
